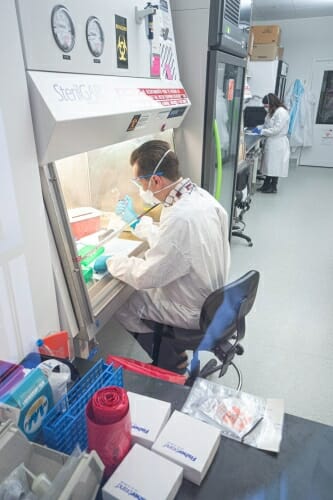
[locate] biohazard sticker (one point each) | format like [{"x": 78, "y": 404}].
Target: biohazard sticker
[{"x": 121, "y": 42}]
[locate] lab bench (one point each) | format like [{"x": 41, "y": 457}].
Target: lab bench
[{"x": 301, "y": 470}]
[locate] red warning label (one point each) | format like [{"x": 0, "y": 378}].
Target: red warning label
[{"x": 167, "y": 97}]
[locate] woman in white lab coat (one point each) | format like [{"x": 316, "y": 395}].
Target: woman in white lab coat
[{"x": 275, "y": 162}]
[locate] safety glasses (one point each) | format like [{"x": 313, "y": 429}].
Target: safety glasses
[{"x": 137, "y": 179}]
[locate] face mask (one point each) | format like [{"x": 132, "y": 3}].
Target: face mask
[{"x": 148, "y": 196}]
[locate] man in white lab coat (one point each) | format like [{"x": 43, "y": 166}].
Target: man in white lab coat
[{"x": 189, "y": 253}]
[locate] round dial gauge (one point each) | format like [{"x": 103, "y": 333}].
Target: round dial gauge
[
  {"x": 95, "y": 36},
  {"x": 63, "y": 28}
]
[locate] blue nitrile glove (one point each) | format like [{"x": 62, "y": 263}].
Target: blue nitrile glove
[
  {"x": 256, "y": 130},
  {"x": 125, "y": 209},
  {"x": 100, "y": 264}
]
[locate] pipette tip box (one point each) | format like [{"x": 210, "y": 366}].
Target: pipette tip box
[
  {"x": 144, "y": 474},
  {"x": 148, "y": 416},
  {"x": 190, "y": 443}
]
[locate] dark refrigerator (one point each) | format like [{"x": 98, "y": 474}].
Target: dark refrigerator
[
  {"x": 212, "y": 38},
  {"x": 281, "y": 79}
]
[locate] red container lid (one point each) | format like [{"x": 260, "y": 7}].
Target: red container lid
[{"x": 146, "y": 369}]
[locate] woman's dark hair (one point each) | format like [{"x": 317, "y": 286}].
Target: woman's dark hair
[
  {"x": 150, "y": 153},
  {"x": 273, "y": 102}
]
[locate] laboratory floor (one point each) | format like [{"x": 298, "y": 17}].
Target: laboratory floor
[{"x": 289, "y": 333}]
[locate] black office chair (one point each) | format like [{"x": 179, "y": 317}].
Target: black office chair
[
  {"x": 242, "y": 203},
  {"x": 222, "y": 326}
]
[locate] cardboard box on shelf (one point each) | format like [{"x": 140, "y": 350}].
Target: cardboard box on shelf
[
  {"x": 265, "y": 52},
  {"x": 266, "y": 34}
]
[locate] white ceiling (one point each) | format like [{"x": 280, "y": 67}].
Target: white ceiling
[{"x": 266, "y": 10}]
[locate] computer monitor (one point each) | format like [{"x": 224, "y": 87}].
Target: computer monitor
[{"x": 253, "y": 116}]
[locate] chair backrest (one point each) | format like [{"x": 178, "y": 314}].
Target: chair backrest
[{"x": 225, "y": 309}]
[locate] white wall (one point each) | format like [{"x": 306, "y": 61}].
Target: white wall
[
  {"x": 304, "y": 40},
  {"x": 28, "y": 307}
]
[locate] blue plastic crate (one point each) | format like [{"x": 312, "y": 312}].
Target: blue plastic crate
[{"x": 65, "y": 425}]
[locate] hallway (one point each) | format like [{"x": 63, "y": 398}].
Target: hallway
[{"x": 289, "y": 336}]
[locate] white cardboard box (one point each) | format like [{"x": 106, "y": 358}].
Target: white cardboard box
[
  {"x": 190, "y": 443},
  {"x": 144, "y": 474},
  {"x": 148, "y": 416}
]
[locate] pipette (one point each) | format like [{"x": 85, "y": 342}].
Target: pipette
[{"x": 114, "y": 234}]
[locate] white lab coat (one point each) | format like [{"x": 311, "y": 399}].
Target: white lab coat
[
  {"x": 188, "y": 259},
  {"x": 276, "y": 151},
  {"x": 301, "y": 129}
]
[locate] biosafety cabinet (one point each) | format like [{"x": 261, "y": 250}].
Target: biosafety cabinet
[{"x": 102, "y": 78}]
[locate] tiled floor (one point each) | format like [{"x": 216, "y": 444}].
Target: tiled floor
[{"x": 289, "y": 334}]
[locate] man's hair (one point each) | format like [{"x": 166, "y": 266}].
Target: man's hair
[
  {"x": 150, "y": 153},
  {"x": 273, "y": 102}
]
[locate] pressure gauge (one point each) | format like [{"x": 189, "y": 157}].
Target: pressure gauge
[
  {"x": 95, "y": 36},
  {"x": 63, "y": 28}
]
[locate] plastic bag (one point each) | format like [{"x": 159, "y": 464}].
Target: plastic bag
[
  {"x": 235, "y": 413},
  {"x": 59, "y": 376}
]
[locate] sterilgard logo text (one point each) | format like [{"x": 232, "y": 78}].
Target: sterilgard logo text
[
  {"x": 131, "y": 492},
  {"x": 77, "y": 92},
  {"x": 140, "y": 429},
  {"x": 181, "y": 451}
]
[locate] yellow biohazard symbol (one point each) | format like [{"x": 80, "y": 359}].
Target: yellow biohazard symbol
[{"x": 122, "y": 48}]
